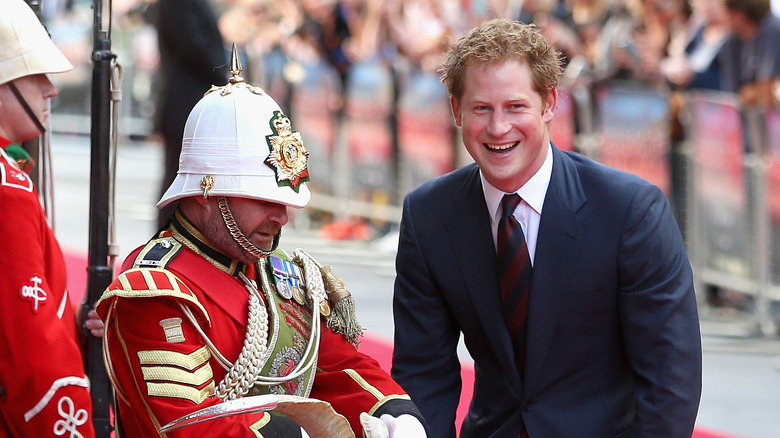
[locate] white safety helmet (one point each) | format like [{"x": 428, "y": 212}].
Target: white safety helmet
[
  {"x": 25, "y": 47},
  {"x": 238, "y": 142}
]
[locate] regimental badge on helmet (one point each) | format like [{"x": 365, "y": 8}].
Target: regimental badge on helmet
[
  {"x": 288, "y": 157},
  {"x": 238, "y": 142}
]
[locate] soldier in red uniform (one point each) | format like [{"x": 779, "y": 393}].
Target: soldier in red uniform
[
  {"x": 43, "y": 388},
  {"x": 210, "y": 310}
]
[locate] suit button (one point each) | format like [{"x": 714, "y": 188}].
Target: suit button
[{"x": 527, "y": 407}]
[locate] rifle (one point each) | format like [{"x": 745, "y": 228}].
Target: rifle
[{"x": 100, "y": 261}]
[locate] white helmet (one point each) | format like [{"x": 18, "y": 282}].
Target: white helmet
[
  {"x": 25, "y": 47},
  {"x": 237, "y": 142}
]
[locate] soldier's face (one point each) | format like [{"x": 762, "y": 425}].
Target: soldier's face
[
  {"x": 15, "y": 124},
  {"x": 259, "y": 221}
]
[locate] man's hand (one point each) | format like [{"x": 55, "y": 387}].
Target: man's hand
[
  {"x": 387, "y": 426},
  {"x": 94, "y": 324}
]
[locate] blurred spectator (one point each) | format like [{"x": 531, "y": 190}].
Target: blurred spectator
[
  {"x": 263, "y": 28},
  {"x": 691, "y": 58},
  {"x": 614, "y": 51},
  {"x": 585, "y": 18},
  {"x": 421, "y": 30},
  {"x": 635, "y": 38},
  {"x": 554, "y": 21},
  {"x": 326, "y": 25},
  {"x": 750, "y": 58},
  {"x": 192, "y": 59}
]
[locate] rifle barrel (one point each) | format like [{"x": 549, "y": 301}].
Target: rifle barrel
[{"x": 99, "y": 273}]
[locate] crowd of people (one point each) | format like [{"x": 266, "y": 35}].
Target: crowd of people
[
  {"x": 324, "y": 56},
  {"x": 304, "y": 46},
  {"x": 679, "y": 44},
  {"x": 676, "y": 43}
]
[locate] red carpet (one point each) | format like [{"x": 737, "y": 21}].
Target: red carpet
[{"x": 377, "y": 347}]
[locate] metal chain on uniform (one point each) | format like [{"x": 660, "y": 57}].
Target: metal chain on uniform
[
  {"x": 243, "y": 374},
  {"x": 240, "y": 237}
]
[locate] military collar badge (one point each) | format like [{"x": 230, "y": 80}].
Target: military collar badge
[{"x": 288, "y": 157}]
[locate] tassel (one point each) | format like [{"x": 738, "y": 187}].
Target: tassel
[{"x": 343, "y": 317}]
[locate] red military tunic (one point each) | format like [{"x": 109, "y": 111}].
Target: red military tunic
[
  {"x": 162, "y": 368},
  {"x": 43, "y": 388}
]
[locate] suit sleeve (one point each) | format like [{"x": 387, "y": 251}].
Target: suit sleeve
[
  {"x": 43, "y": 388},
  {"x": 659, "y": 318},
  {"x": 425, "y": 360}
]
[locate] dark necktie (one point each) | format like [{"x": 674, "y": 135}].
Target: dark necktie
[{"x": 514, "y": 273}]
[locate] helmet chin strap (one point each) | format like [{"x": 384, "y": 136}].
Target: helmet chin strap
[
  {"x": 26, "y": 107},
  {"x": 240, "y": 237}
]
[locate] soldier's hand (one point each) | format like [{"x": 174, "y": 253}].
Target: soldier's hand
[
  {"x": 388, "y": 426},
  {"x": 94, "y": 324}
]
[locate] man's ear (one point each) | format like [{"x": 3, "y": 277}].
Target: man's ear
[
  {"x": 197, "y": 207},
  {"x": 550, "y": 104},
  {"x": 455, "y": 107}
]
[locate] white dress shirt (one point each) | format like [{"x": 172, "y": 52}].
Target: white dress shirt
[{"x": 529, "y": 212}]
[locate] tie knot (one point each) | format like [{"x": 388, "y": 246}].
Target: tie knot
[{"x": 510, "y": 203}]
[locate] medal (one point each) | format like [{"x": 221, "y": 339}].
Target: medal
[
  {"x": 287, "y": 278},
  {"x": 283, "y": 289}
]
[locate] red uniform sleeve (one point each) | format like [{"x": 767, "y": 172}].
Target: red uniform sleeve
[
  {"x": 43, "y": 388},
  {"x": 162, "y": 369},
  {"x": 353, "y": 383}
]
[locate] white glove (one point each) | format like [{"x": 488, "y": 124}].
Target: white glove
[{"x": 387, "y": 426}]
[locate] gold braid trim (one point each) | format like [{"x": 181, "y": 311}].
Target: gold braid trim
[
  {"x": 175, "y": 390},
  {"x": 177, "y": 375},
  {"x": 165, "y": 357}
]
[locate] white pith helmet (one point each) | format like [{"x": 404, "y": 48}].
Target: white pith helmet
[
  {"x": 25, "y": 47},
  {"x": 237, "y": 142}
]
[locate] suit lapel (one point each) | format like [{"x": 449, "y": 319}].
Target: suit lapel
[
  {"x": 472, "y": 243},
  {"x": 558, "y": 247}
]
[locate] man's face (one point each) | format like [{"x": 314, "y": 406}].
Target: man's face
[
  {"x": 260, "y": 221},
  {"x": 504, "y": 122},
  {"x": 15, "y": 124}
]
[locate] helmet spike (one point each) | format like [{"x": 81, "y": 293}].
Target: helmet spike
[
  {"x": 235, "y": 63},
  {"x": 236, "y": 81}
]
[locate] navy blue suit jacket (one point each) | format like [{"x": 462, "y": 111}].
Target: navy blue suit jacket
[{"x": 614, "y": 348}]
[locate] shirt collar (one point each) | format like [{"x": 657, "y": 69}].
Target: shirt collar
[{"x": 532, "y": 192}]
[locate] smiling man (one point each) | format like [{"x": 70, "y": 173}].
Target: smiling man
[{"x": 567, "y": 279}]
